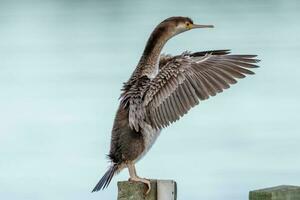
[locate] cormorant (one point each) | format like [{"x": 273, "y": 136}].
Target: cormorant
[{"x": 162, "y": 89}]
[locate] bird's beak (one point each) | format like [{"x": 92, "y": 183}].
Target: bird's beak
[{"x": 201, "y": 26}]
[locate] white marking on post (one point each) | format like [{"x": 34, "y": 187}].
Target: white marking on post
[{"x": 166, "y": 190}]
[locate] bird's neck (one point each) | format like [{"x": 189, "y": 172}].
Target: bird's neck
[{"x": 150, "y": 58}]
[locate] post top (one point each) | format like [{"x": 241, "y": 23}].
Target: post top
[
  {"x": 280, "y": 188},
  {"x": 160, "y": 190}
]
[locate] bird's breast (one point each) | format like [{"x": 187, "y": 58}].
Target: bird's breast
[{"x": 153, "y": 72}]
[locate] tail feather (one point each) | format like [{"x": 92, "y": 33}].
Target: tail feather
[{"x": 105, "y": 180}]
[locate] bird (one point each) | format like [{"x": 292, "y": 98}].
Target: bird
[{"x": 162, "y": 89}]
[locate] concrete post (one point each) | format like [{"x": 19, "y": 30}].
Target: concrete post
[
  {"x": 160, "y": 190},
  {"x": 283, "y": 192}
]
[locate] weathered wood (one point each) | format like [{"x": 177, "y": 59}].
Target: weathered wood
[
  {"x": 283, "y": 192},
  {"x": 160, "y": 190}
]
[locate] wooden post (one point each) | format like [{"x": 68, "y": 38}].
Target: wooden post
[
  {"x": 160, "y": 190},
  {"x": 283, "y": 192}
]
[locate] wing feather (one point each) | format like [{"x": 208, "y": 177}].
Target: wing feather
[{"x": 184, "y": 80}]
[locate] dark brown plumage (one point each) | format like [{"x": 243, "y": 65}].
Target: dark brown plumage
[{"x": 162, "y": 89}]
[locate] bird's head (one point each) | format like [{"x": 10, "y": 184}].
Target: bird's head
[
  {"x": 164, "y": 31},
  {"x": 175, "y": 25}
]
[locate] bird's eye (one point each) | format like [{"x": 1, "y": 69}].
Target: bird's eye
[{"x": 188, "y": 25}]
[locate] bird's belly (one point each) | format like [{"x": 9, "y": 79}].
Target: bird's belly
[{"x": 149, "y": 136}]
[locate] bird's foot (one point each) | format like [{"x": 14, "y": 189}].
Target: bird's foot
[{"x": 143, "y": 180}]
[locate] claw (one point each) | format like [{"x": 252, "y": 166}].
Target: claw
[
  {"x": 134, "y": 177},
  {"x": 143, "y": 180},
  {"x": 149, "y": 186}
]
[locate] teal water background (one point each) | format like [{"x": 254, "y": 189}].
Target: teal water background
[{"x": 62, "y": 64}]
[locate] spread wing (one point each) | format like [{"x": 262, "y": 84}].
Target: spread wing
[{"x": 184, "y": 80}]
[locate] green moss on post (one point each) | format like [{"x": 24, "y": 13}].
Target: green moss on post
[
  {"x": 136, "y": 191},
  {"x": 160, "y": 190},
  {"x": 283, "y": 192}
]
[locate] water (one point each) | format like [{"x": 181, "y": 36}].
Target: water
[{"x": 62, "y": 66}]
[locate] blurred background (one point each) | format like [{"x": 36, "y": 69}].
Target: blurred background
[{"x": 62, "y": 64}]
